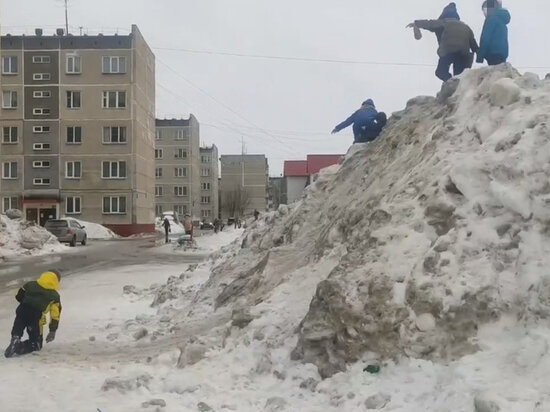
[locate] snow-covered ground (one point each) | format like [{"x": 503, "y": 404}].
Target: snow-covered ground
[{"x": 205, "y": 242}]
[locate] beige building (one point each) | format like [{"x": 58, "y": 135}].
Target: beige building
[
  {"x": 210, "y": 172},
  {"x": 244, "y": 185},
  {"x": 78, "y": 128}
]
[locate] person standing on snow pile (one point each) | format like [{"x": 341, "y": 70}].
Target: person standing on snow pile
[
  {"x": 36, "y": 299},
  {"x": 370, "y": 134},
  {"x": 256, "y": 214},
  {"x": 494, "y": 38},
  {"x": 167, "y": 229},
  {"x": 362, "y": 120},
  {"x": 456, "y": 40}
]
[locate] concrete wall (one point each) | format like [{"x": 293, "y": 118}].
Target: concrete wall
[{"x": 295, "y": 188}]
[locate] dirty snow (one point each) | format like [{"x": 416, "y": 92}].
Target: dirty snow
[{"x": 96, "y": 231}]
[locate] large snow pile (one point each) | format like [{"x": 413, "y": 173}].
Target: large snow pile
[
  {"x": 96, "y": 231},
  {"x": 19, "y": 237}
]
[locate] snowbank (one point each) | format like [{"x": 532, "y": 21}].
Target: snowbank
[{"x": 96, "y": 231}]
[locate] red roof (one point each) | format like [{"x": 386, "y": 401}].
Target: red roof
[
  {"x": 295, "y": 168},
  {"x": 317, "y": 162}
]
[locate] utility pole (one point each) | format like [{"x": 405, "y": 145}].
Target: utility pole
[
  {"x": 66, "y": 18},
  {"x": 242, "y": 162}
]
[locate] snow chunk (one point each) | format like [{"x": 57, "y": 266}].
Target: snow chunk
[{"x": 504, "y": 92}]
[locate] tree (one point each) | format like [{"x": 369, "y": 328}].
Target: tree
[{"x": 236, "y": 201}]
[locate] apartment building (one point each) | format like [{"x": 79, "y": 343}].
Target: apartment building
[
  {"x": 210, "y": 172},
  {"x": 78, "y": 128},
  {"x": 244, "y": 184},
  {"x": 178, "y": 167}
]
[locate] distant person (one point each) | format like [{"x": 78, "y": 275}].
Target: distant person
[
  {"x": 167, "y": 229},
  {"x": 362, "y": 119},
  {"x": 457, "y": 42},
  {"x": 216, "y": 224},
  {"x": 36, "y": 299},
  {"x": 256, "y": 214},
  {"x": 188, "y": 225},
  {"x": 494, "y": 38},
  {"x": 372, "y": 132}
]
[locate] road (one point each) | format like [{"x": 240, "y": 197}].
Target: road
[{"x": 82, "y": 259}]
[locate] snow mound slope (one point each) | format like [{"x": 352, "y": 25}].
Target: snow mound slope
[{"x": 96, "y": 231}]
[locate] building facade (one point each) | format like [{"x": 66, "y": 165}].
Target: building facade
[
  {"x": 178, "y": 167},
  {"x": 244, "y": 185},
  {"x": 210, "y": 172},
  {"x": 78, "y": 128}
]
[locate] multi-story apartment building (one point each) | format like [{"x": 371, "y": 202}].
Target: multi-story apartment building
[
  {"x": 178, "y": 168},
  {"x": 244, "y": 183},
  {"x": 209, "y": 183},
  {"x": 78, "y": 127}
]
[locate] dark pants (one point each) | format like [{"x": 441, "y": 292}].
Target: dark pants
[
  {"x": 459, "y": 61},
  {"x": 166, "y": 230},
  {"x": 28, "y": 318},
  {"x": 494, "y": 60}
]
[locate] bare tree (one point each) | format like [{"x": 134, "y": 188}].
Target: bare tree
[{"x": 236, "y": 201}]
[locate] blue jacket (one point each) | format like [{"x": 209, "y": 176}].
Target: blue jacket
[
  {"x": 494, "y": 38},
  {"x": 364, "y": 117}
]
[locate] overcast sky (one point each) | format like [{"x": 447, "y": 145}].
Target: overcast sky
[{"x": 285, "y": 109}]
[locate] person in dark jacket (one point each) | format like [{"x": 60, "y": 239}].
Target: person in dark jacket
[
  {"x": 362, "y": 119},
  {"x": 494, "y": 38},
  {"x": 167, "y": 229},
  {"x": 371, "y": 133},
  {"x": 36, "y": 299},
  {"x": 256, "y": 214},
  {"x": 456, "y": 42}
]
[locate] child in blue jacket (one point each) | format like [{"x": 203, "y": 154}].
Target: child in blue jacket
[{"x": 494, "y": 37}]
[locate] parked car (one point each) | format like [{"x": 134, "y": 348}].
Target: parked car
[
  {"x": 207, "y": 226},
  {"x": 67, "y": 231}
]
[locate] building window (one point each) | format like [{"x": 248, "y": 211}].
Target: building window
[
  {"x": 180, "y": 191},
  {"x": 113, "y": 170},
  {"x": 41, "y": 94},
  {"x": 9, "y": 170},
  {"x": 41, "y": 164},
  {"x": 73, "y": 205},
  {"x": 9, "y": 203},
  {"x": 159, "y": 153},
  {"x": 158, "y": 135},
  {"x": 206, "y": 159},
  {"x": 114, "y": 64},
  {"x": 114, "y": 100},
  {"x": 180, "y": 134},
  {"x": 114, "y": 135},
  {"x": 180, "y": 209},
  {"x": 205, "y": 186},
  {"x": 41, "y": 181},
  {"x": 158, "y": 172},
  {"x": 74, "y": 64},
  {"x": 73, "y": 170},
  {"x": 41, "y": 76},
  {"x": 9, "y": 135},
  {"x": 41, "y": 112},
  {"x": 180, "y": 154},
  {"x": 158, "y": 210},
  {"x": 205, "y": 200},
  {"x": 206, "y": 213},
  {"x": 74, "y": 135},
  {"x": 73, "y": 100},
  {"x": 114, "y": 205},
  {"x": 9, "y": 99},
  {"x": 41, "y": 129},
  {"x": 41, "y": 59},
  {"x": 9, "y": 65},
  {"x": 41, "y": 146},
  {"x": 159, "y": 191},
  {"x": 205, "y": 172},
  {"x": 180, "y": 172}
]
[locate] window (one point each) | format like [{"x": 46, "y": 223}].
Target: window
[
  {"x": 159, "y": 153},
  {"x": 41, "y": 146},
  {"x": 73, "y": 170},
  {"x": 9, "y": 135},
  {"x": 73, "y": 205},
  {"x": 180, "y": 209},
  {"x": 41, "y": 164},
  {"x": 9, "y": 203},
  {"x": 73, "y": 100},
  {"x": 206, "y": 159},
  {"x": 180, "y": 191},
  {"x": 9, "y": 99},
  {"x": 180, "y": 135},
  {"x": 158, "y": 210},
  {"x": 114, "y": 100},
  {"x": 205, "y": 186},
  {"x": 205, "y": 172},
  {"x": 158, "y": 172},
  {"x": 205, "y": 200},
  {"x": 113, "y": 170},
  {"x": 41, "y": 94},
  {"x": 41, "y": 59},
  {"x": 114, "y": 205},
  {"x": 41, "y": 129},
  {"x": 41, "y": 181},
  {"x": 206, "y": 213},
  {"x": 180, "y": 172},
  {"x": 114, "y": 135},
  {"x": 114, "y": 64},
  {"x": 9, "y": 65},
  {"x": 158, "y": 135},
  {"x": 74, "y": 135},
  {"x": 41, "y": 76},
  {"x": 74, "y": 64},
  {"x": 180, "y": 154},
  {"x": 159, "y": 191},
  {"x": 9, "y": 170},
  {"x": 40, "y": 112}
]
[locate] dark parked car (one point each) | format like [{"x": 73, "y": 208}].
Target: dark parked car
[
  {"x": 207, "y": 226},
  {"x": 67, "y": 231}
]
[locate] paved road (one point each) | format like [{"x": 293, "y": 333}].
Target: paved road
[{"x": 96, "y": 255}]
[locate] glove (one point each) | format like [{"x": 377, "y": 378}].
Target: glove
[
  {"x": 50, "y": 337},
  {"x": 334, "y": 131}
]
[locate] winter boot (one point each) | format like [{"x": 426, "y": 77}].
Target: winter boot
[{"x": 13, "y": 347}]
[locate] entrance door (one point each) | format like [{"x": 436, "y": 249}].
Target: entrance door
[
  {"x": 47, "y": 214},
  {"x": 32, "y": 215}
]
